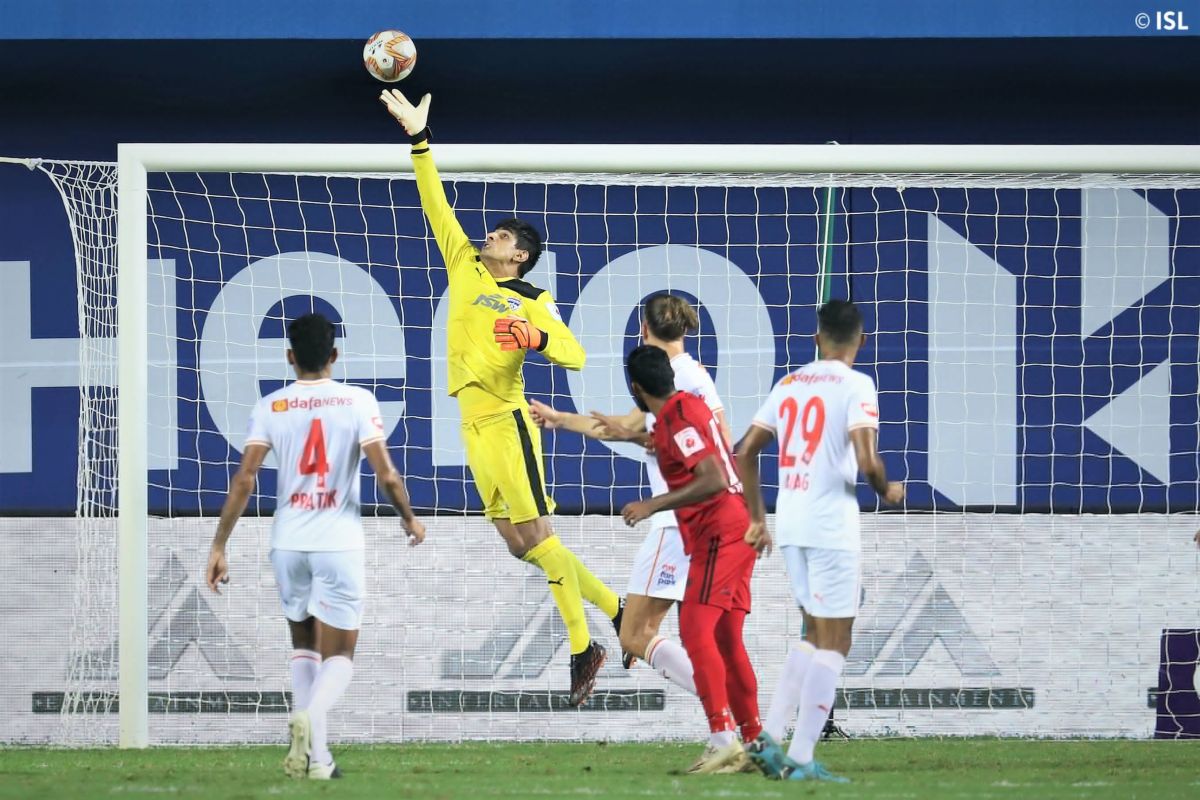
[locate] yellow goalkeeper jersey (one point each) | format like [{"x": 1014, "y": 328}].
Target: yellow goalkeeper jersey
[{"x": 485, "y": 379}]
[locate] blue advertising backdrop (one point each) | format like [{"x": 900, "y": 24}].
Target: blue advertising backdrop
[
  {"x": 841, "y": 74},
  {"x": 1066, "y": 370}
]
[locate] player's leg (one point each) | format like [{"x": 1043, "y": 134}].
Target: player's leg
[
  {"x": 766, "y": 750},
  {"x": 510, "y": 481},
  {"x": 833, "y": 601},
  {"x": 505, "y": 463},
  {"x": 643, "y": 617},
  {"x": 741, "y": 684},
  {"x": 336, "y": 602},
  {"x": 656, "y": 582},
  {"x": 786, "y": 698},
  {"x": 548, "y": 554},
  {"x": 530, "y": 504},
  {"x": 507, "y": 455},
  {"x": 305, "y": 660},
  {"x": 531, "y": 542},
  {"x": 697, "y": 628},
  {"x": 707, "y": 597},
  {"x": 293, "y": 577}
]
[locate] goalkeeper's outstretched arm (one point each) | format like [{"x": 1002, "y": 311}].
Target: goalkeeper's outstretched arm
[{"x": 456, "y": 248}]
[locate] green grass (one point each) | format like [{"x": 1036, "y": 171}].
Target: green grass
[{"x": 917, "y": 769}]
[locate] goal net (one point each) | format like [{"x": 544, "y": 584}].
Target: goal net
[{"x": 1033, "y": 337}]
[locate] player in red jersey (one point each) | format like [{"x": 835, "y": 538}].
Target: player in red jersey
[{"x": 706, "y": 494}]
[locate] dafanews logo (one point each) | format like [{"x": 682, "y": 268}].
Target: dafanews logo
[{"x": 311, "y": 403}]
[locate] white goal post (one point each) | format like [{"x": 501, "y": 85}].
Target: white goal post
[{"x": 898, "y": 166}]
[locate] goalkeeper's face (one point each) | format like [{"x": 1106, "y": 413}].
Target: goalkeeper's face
[{"x": 500, "y": 249}]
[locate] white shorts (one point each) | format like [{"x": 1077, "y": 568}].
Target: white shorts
[
  {"x": 661, "y": 566},
  {"x": 326, "y": 585},
  {"x": 826, "y": 583}
]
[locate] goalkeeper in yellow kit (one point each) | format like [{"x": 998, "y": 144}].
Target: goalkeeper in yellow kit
[{"x": 495, "y": 318}]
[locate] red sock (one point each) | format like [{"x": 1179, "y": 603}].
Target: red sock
[
  {"x": 740, "y": 683},
  {"x": 697, "y": 624}
]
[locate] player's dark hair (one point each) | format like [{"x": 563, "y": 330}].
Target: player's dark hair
[
  {"x": 527, "y": 239},
  {"x": 840, "y": 320},
  {"x": 311, "y": 337},
  {"x": 649, "y": 367},
  {"x": 670, "y": 317}
]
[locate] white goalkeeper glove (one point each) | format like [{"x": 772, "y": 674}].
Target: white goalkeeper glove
[{"x": 413, "y": 118}]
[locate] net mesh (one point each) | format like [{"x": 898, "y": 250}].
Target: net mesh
[{"x": 1033, "y": 338}]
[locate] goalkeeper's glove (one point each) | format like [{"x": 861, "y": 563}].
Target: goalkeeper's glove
[{"x": 514, "y": 333}]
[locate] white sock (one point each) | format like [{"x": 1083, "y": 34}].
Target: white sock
[
  {"x": 721, "y": 739},
  {"x": 330, "y": 685},
  {"x": 816, "y": 700},
  {"x": 670, "y": 660},
  {"x": 305, "y": 664},
  {"x": 787, "y": 692}
]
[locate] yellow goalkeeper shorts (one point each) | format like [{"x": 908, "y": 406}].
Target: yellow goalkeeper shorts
[{"x": 505, "y": 454}]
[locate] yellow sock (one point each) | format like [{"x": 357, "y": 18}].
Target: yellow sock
[
  {"x": 593, "y": 589},
  {"x": 556, "y": 561}
]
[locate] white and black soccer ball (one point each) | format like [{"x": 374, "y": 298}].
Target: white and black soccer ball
[{"x": 390, "y": 56}]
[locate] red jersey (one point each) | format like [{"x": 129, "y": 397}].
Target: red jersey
[{"x": 686, "y": 433}]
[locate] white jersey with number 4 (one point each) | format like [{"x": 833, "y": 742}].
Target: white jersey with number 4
[
  {"x": 692, "y": 377},
  {"x": 317, "y": 430},
  {"x": 811, "y": 412}
]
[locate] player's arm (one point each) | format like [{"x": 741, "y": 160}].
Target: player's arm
[
  {"x": 457, "y": 250},
  {"x": 865, "y": 441},
  {"x": 614, "y": 429},
  {"x": 550, "y": 335},
  {"x": 752, "y": 444},
  {"x": 240, "y": 488},
  {"x": 708, "y": 478},
  {"x": 550, "y": 418},
  {"x": 723, "y": 425},
  {"x": 388, "y": 478}
]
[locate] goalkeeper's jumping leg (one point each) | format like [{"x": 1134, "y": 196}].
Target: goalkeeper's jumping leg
[{"x": 570, "y": 583}]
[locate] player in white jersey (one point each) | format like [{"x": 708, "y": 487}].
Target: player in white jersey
[
  {"x": 659, "y": 573},
  {"x": 320, "y": 430},
  {"x": 826, "y": 418}
]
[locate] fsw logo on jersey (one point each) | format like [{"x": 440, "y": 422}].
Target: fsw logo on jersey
[{"x": 498, "y": 302}]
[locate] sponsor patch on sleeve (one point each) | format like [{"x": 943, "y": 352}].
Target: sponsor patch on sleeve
[
  {"x": 870, "y": 409},
  {"x": 554, "y": 312},
  {"x": 378, "y": 423},
  {"x": 688, "y": 441}
]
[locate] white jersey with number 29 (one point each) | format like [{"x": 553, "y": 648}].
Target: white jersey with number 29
[
  {"x": 317, "y": 430},
  {"x": 811, "y": 412}
]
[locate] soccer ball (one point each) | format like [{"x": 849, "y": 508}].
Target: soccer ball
[{"x": 390, "y": 56}]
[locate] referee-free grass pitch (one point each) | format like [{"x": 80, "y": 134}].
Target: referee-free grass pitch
[{"x": 920, "y": 769}]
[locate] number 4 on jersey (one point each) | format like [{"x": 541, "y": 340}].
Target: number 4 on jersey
[{"x": 312, "y": 460}]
